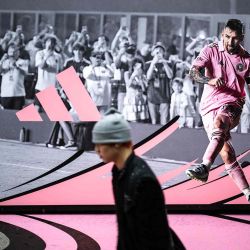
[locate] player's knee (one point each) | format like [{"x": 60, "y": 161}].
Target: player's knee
[
  {"x": 218, "y": 124},
  {"x": 222, "y": 122},
  {"x": 218, "y": 134}
]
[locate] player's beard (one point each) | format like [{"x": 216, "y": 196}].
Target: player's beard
[{"x": 232, "y": 49}]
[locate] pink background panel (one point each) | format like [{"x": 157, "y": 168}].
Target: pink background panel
[
  {"x": 78, "y": 95},
  {"x": 53, "y": 105},
  {"x": 195, "y": 231},
  {"x": 29, "y": 113}
]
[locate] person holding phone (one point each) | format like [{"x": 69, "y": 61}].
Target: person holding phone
[
  {"x": 159, "y": 74},
  {"x": 13, "y": 70}
]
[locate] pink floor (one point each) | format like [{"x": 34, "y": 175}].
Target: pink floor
[{"x": 198, "y": 232}]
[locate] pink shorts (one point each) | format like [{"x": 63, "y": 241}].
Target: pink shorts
[{"x": 230, "y": 110}]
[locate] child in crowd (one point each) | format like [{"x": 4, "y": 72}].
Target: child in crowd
[{"x": 179, "y": 103}]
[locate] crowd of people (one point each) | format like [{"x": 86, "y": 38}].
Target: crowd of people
[{"x": 147, "y": 83}]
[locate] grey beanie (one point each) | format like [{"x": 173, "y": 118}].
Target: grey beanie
[{"x": 112, "y": 128}]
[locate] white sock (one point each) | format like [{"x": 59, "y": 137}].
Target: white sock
[{"x": 246, "y": 191}]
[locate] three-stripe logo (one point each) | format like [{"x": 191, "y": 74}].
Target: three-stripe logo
[{"x": 54, "y": 106}]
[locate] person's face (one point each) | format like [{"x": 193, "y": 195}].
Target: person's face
[
  {"x": 8, "y": 36},
  {"x": 138, "y": 67},
  {"x": 177, "y": 87},
  {"x": 49, "y": 44},
  {"x": 231, "y": 40},
  {"x": 18, "y": 41},
  {"x": 101, "y": 40},
  {"x": 158, "y": 51},
  {"x": 11, "y": 51},
  {"x": 78, "y": 54},
  {"x": 123, "y": 43},
  {"x": 19, "y": 29},
  {"x": 107, "y": 152},
  {"x": 96, "y": 60}
]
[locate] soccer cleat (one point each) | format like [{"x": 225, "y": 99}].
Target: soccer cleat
[{"x": 199, "y": 173}]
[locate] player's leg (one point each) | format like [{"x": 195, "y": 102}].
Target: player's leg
[
  {"x": 217, "y": 135},
  {"x": 220, "y": 131},
  {"x": 234, "y": 169}
]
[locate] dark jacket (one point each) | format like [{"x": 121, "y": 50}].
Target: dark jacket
[{"x": 141, "y": 216}]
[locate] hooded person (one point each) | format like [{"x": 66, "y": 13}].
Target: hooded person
[{"x": 140, "y": 207}]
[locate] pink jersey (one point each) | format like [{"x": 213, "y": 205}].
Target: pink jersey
[{"x": 233, "y": 69}]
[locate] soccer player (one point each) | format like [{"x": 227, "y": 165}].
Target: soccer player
[{"x": 227, "y": 69}]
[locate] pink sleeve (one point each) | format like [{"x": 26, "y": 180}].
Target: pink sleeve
[{"x": 203, "y": 58}]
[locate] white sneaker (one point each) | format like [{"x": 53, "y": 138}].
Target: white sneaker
[{"x": 70, "y": 145}]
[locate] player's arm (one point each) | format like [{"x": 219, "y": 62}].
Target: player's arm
[{"x": 196, "y": 75}]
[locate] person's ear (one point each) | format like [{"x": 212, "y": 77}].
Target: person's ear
[
  {"x": 222, "y": 35},
  {"x": 241, "y": 37}
]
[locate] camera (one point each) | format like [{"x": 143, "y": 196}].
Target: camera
[{"x": 131, "y": 48}]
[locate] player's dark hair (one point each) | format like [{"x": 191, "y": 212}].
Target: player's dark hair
[
  {"x": 235, "y": 25},
  {"x": 178, "y": 80}
]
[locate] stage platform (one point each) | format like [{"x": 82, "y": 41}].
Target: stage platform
[
  {"x": 37, "y": 179},
  {"x": 95, "y": 232},
  {"x": 61, "y": 199}
]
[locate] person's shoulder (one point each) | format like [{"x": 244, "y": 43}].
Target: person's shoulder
[
  {"x": 246, "y": 54},
  {"x": 40, "y": 52},
  {"x": 213, "y": 45},
  {"x": 85, "y": 62},
  {"x": 88, "y": 68},
  {"x": 209, "y": 48},
  {"x": 142, "y": 169},
  {"x": 68, "y": 62}
]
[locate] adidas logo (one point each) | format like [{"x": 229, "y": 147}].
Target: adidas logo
[{"x": 54, "y": 106}]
